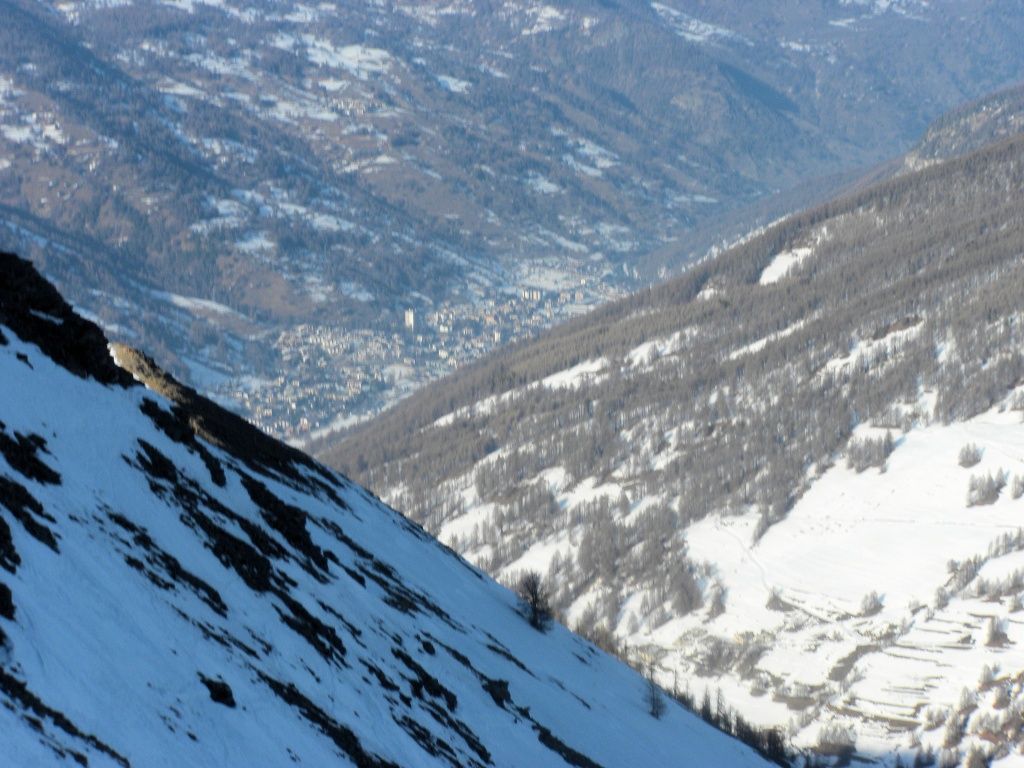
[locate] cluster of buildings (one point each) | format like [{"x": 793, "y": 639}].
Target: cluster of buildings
[{"x": 332, "y": 372}]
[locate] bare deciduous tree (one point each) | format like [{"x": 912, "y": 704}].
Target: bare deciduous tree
[{"x": 534, "y": 594}]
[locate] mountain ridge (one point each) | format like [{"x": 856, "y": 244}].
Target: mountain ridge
[{"x": 174, "y": 592}]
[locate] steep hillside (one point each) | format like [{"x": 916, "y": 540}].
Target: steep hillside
[
  {"x": 795, "y": 472},
  {"x": 177, "y": 589},
  {"x": 249, "y": 186}
]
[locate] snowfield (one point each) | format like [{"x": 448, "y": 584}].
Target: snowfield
[
  {"x": 360, "y": 60},
  {"x": 783, "y": 264}
]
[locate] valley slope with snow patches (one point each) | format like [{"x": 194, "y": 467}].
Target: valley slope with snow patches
[
  {"x": 795, "y": 475},
  {"x": 317, "y": 169},
  {"x": 178, "y": 589}
]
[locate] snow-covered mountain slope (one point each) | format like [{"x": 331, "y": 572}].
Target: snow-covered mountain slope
[
  {"x": 178, "y": 589},
  {"x": 754, "y": 472}
]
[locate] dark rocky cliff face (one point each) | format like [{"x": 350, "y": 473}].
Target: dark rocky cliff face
[{"x": 33, "y": 309}]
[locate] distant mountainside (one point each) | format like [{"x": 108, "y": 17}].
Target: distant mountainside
[
  {"x": 252, "y": 187},
  {"x": 971, "y": 127},
  {"x": 177, "y": 589},
  {"x": 795, "y": 472}
]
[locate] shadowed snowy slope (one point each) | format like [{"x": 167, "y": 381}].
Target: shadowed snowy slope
[{"x": 176, "y": 589}]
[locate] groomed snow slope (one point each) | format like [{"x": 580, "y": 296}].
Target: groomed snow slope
[{"x": 178, "y": 590}]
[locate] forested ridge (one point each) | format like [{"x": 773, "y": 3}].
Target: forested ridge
[{"x": 717, "y": 392}]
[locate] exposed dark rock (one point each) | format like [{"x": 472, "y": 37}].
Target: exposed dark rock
[
  {"x": 21, "y": 452},
  {"x": 497, "y": 648},
  {"x": 159, "y": 561},
  {"x": 25, "y": 509},
  {"x": 288, "y": 520},
  {"x": 424, "y": 681},
  {"x": 356, "y": 576},
  {"x": 450, "y": 723},
  {"x": 498, "y": 690},
  {"x": 19, "y": 694},
  {"x": 177, "y": 429},
  {"x": 433, "y": 745},
  {"x": 561, "y": 685},
  {"x": 342, "y": 736},
  {"x": 6, "y": 602},
  {"x": 137, "y": 565},
  {"x": 266, "y": 647},
  {"x": 220, "y": 692},
  {"x": 397, "y": 595},
  {"x": 156, "y": 464},
  {"x": 253, "y": 568},
  {"x": 570, "y": 755},
  {"x": 382, "y": 680},
  {"x": 320, "y": 636},
  {"x": 9, "y": 559},
  {"x": 37, "y": 314},
  {"x": 250, "y": 562},
  {"x": 219, "y": 636},
  {"x": 226, "y": 430},
  {"x": 351, "y": 628},
  {"x": 458, "y": 656}
]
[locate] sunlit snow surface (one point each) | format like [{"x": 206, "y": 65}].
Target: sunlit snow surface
[
  {"x": 851, "y": 534},
  {"x": 782, "y": 264},
  {"x": 393, "y": 640}
]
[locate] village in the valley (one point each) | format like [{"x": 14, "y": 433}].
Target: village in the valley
[{"x": 355, "y": 373}]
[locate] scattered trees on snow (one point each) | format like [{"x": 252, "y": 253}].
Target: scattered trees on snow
[
  {"x": 870, "y": 604},
  {"x": 836, "y": 739},
  {"x": 869, "y": 452},
  {"x": 985, "y": 489},
  {"x": 970, "y": 455},
  {"x": 995, "y": 635}
]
